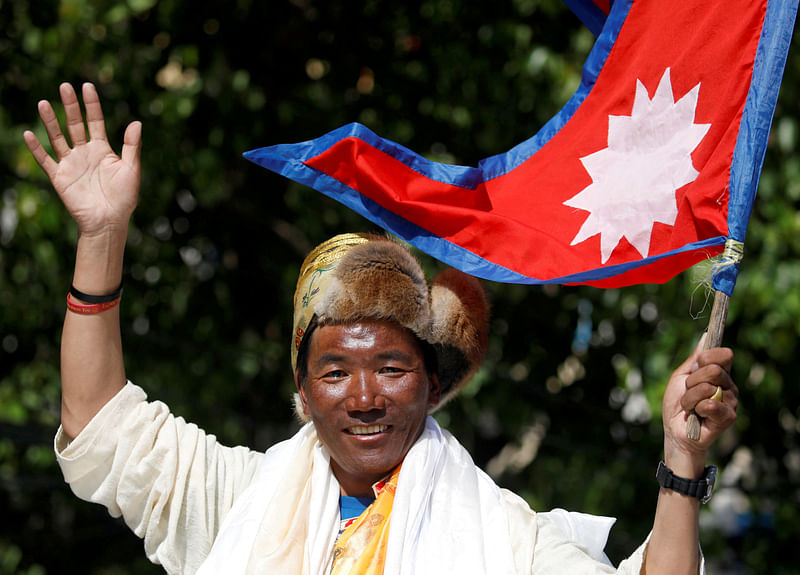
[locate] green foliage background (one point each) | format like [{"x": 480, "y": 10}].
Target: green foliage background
[{"x": 566, "y": 410}]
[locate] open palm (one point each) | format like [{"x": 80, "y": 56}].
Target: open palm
[{"x": 98, "y": 188}]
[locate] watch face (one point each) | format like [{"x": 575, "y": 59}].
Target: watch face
[{"x": 711, "y": 478}]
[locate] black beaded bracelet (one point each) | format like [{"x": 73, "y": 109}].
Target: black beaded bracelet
[{"x": 96, "y": 298}]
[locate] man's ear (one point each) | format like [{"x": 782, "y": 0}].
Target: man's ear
[
  {"x": 435, "y": 390},
  {"x": 301, "y": 392}
]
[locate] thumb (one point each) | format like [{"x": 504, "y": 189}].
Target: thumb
[{"x": 132, "y": 144}]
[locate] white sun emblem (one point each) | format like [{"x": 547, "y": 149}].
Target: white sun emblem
[{"x": 635, "y": 178}]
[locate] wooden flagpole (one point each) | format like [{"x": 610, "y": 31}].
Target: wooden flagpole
[{"x": 716, "y": 327}]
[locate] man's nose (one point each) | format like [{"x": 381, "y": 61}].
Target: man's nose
[{"x": 364, "y": 393}]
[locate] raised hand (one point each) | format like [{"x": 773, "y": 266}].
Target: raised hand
[
  {"x": 692, "y": 387},
  {"x": 98, "y": 188}
]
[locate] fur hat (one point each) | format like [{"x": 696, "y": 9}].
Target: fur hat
[{"x": 357, "y": 276}]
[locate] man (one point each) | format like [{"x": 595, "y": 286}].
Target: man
[{"x": 374, "y": 350}]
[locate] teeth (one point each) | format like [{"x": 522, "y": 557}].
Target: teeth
[{"x": 367, "y": 429}]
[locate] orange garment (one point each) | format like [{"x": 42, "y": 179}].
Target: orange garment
[{"x": 361, "y": 548}]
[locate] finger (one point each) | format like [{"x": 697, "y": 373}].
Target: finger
[
  {"x": 94, "y": 113},
  {"x": 715, "y": 425},
  {"x": 72, "y": 111},
  {"x": 703, "y": 384},
  {"x": 57, "y": 139},
  {"x": 722, "y": 356},
  {"x": 41, "y": 156},
  {"x": 712, "y": 373},
  {"x": 730, "y": 397},
  {"x": 718, "y": 414},
  {"x": 693, "y": 396},
  {"x": 132, "y": 144}
]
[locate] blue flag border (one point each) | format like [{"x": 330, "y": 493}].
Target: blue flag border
[
  {"x": 288, "y": 159},
  {"x": 751, "y": 142}
]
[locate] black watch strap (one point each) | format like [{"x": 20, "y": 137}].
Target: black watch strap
[{"x": 701, "y": 489}]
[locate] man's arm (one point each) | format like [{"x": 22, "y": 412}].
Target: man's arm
[
  {"x": 674, "y": 544},
  {"x": 100, "y": 191}
]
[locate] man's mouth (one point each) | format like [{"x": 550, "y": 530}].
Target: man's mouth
[{"x": 366, "y": 429}]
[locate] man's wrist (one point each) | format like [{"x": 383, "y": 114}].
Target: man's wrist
[
  {"x": 685, "y": 467},
  {"x": 686, "y": 464},
  {"x": 98, "y": 262},
  {"x": 700, "y": 489}
]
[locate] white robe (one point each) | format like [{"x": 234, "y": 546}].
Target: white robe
[{"x": 174, "y": 486}]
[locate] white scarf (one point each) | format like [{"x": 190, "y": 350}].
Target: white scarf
[{"x": 448, "y": 516}]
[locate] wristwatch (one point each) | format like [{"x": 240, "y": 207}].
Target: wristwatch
[{"x": 701, "y": 488}]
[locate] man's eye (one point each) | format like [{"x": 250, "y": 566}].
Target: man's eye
[
  {"x": 390, "y": 369},
  {"x": 335, "y": 374}
]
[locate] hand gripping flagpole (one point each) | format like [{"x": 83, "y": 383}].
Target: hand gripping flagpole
[
  {"x": 734, "y": 251},
  {"x": 716, "y": 327}
]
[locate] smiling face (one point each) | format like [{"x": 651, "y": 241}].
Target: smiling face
[{"x": 368, "y": 393}]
